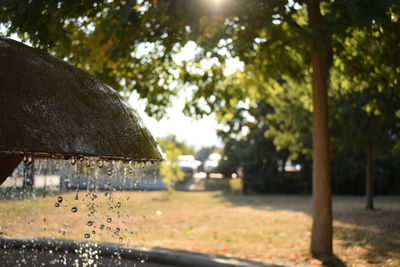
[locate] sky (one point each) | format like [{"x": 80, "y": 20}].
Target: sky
[{"x": 198, "y": 133}]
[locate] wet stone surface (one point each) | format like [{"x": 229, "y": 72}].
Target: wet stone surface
[
  {"x": 16, "y": 258},
  {"x": 52, "y": 107}
]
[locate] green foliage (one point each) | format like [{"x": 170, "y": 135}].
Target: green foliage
[
  {"x": 131, "y": 44},
  {"x": 365, "y": 94},
  {"x": 171, "y": 140},
  {"x": 290, "y": 123},
  {"x": 370, "y": 117},
  {"x": 349, "y": 175},
  {"x": 169, "y": 168},
  {"x": 247, "y": 148}
]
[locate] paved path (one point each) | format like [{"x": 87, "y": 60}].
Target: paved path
[{"x": 196, "y": 183}]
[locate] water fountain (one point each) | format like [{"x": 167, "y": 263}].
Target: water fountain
[{"x": 50, "y": 109}]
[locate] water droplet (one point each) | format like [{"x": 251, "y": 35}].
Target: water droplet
[
  {"x": 73, "y": 161},
  {"x": 117, "y": 230},
  {"x": 87, "y": 163},
  {"x": 109, "y": 172},
  {"x": 93, "y": 232},
  {"x": 130, "y": 171},
  {"x": 100, "y": 163},
  {"x": 56, "y": 205},
  {"x": 89, "y": 223},
  {"x": 74, "y": 209},
  {"x": 109, "y": 220},
  {"x": 60, "y": 199},
  {"x": 102, "y": 227},
  {"x": 87, "y": 235},
  {"x": 118, "y": 204},
  {"x": 120, "y": 239},
  {"x": 108, "y": 228}
]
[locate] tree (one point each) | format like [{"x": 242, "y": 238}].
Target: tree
[
  {"x": 367, "y": 95},
  {"x": 203, "y": 153},
  {"x": 371, "y": 128},
  {"x": 290, "y": 123},
  {"x": 280, "y": 38},
  {"x": 247, "y": 147},
  {"x": 170, "y": 169}
]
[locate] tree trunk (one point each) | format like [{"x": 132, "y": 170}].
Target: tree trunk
[
  {"x": 283, "y": 165},
  {"x": 369, "y": 185},
  {"x": 29, "y": 174},
  {"x": 321, "y": 58}
]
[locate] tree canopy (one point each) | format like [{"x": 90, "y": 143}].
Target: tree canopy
[{"x": 131, "y": 44}]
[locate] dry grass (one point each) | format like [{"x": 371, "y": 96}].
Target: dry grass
[{"x": 263, "y": 228}]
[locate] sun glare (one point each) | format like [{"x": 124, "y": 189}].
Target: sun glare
[{"x": 216, "y": 3}]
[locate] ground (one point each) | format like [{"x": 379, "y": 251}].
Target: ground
[{"x": 272, "y": 228}]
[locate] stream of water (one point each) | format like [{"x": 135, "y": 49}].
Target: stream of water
[{"x": 75, "y": 187}]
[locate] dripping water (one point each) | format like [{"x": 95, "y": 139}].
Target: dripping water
[{"x": 99, "y": 177}]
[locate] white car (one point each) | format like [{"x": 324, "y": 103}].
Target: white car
[
  {"x": 212, "y": 163},
  {"x": 290, "y": 167},
  {"x": 188, "y": 163}
]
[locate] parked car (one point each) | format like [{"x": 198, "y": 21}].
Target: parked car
[
  {"x": 188, "y": 164},
  {"x": 291, "y": 167},
  {"x": 212, "y": 163}
]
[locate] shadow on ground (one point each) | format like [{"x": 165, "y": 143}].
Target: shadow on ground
[
  {"x": 331, "y": 261},
  {"x": 376, "y": 232}
]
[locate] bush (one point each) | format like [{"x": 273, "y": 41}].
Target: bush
[{"x": 348, "y": 178}]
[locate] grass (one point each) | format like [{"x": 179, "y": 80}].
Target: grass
[{"x": 265, "y": 228}]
